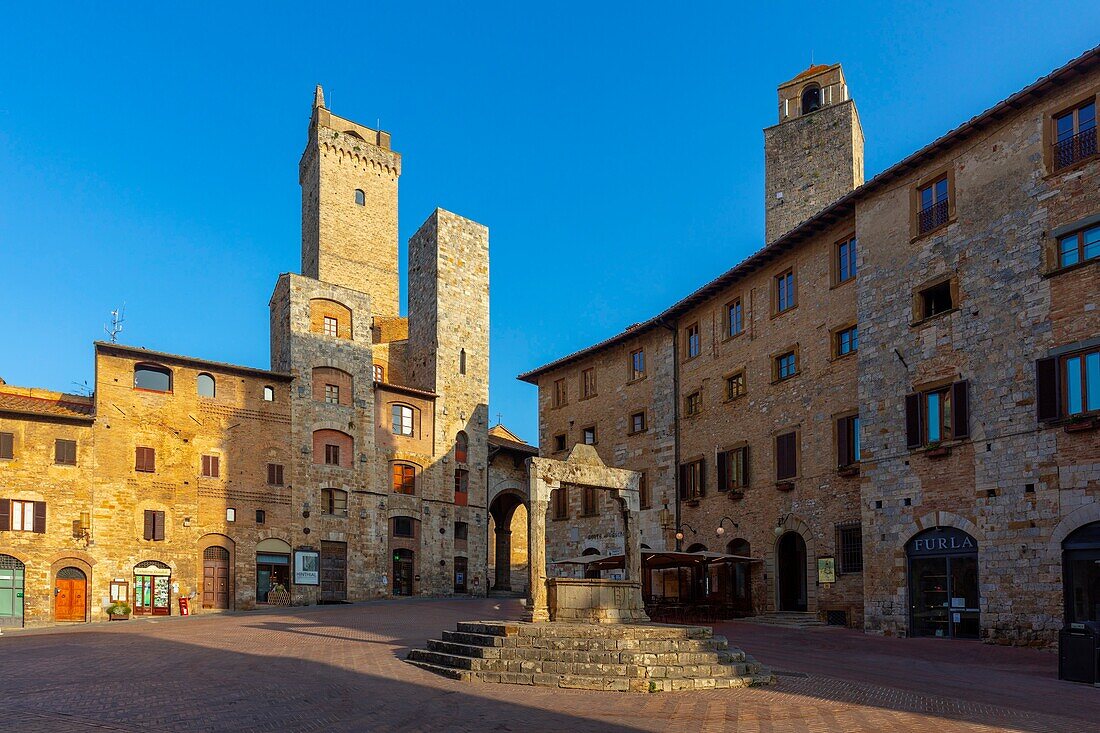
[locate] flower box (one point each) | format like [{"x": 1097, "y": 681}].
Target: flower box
[
  {"x": 735, "y": 495},
  {"x": 785, "y": 486},
  {"x": 939, "y": 451},
  {"x": 851, "y": 470},
  {"x": 1081, "y": 426}
]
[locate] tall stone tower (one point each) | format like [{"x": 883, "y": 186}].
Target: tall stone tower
[
  {"x": 348, "y": 175},
  {"x": 815, "y": 154}
]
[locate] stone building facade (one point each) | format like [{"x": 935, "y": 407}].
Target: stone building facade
[
  {"x": 889, "y": 405},
  {"x": 356, "y": 467}
]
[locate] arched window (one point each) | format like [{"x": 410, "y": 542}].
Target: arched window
[
  {"x": 811, "y": 98},
  {"x": 462, "y": 361},
  {"x": 205, "y": 385},
  {"x": 153, "y": 377},
  {"x": 269, "y": 394},
  {"x": 360, "y": 197},
  {"x": 402, "y": 420},
  {"x": 404, "y": 478},
  {"x": 332, "y": 385},
  {"x": 738, "y": 547},
  {"x": 334, "y": 502},
  {"x": 404, "y": 527},
  {"x": 697, "y": 547},
  {"x": 590, "y": 551},
  {"x": 462, "y": 446},
  {"x": 332, "y": 448}
]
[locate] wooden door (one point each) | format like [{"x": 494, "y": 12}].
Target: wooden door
[
  {"x": 70, "y": 596},
  {"x": 215, "y": 578},
  {"x": 334, "y": 568},
  {"x": 403, "y": 572}
]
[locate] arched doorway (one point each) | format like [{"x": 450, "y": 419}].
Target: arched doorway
[
  {"x": 403, "y": 572},
  {"x": 11, "y": 591},
  {"x": 508, "y": 556},
  {"x": 740, "y": 596},
  {"x": 70, "y": 598},
  {"x": 152, "y": 589},
  {"x": 790, "y": 553},
  {"x": 944, "y": 597},
  {"x": 215, "y": 578},
  {"x": 1081, "y": 573},
  {"x": 589, "y": 572}
]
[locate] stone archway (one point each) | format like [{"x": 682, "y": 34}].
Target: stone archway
[
  {"x": 791, "y": 523},
  {"x": 503, "y": 510}
]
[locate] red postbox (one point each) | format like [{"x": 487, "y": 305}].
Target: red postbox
[{"x": 185, "y": 607}]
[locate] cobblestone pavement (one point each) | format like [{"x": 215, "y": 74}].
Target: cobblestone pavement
[{"x": 339, "y": 668}]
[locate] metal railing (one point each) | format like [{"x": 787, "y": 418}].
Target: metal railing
[
  {"x": 1072, "y": 149},
  {"x": 932, "y": 217}
]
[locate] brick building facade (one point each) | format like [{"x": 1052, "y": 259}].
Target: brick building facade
[
  {"x": 356, "y": 467},
  {"x": 894, "y": 404}
]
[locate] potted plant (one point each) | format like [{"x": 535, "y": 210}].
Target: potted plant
[
  {"x": 278, "y": 595},
  {"x": 1080, "y": 423},
  {"x": 935, "y": 450},
  {"x": 119, "y": 611}
]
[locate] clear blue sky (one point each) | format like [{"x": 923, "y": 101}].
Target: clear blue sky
[{"x": 615, "y": 151}]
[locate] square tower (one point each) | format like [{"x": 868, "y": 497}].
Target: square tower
[
  {"x": 815, "y": 154},
  {"x": 348, "y": 175}
]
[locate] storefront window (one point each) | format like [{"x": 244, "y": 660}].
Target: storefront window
[
  {"x": 152, "y": 589},
  {"x": 1081, "y": 572},
  {"x": 943, "y": 584}
]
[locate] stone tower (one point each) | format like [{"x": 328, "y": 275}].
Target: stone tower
[
  {"x": 348, "y": 175},
  {"x": 815, "y": 154}
]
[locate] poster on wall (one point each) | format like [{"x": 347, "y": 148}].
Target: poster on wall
[
  {"x": 826, "y": 570},
  {"x": 307, "y": 567}
]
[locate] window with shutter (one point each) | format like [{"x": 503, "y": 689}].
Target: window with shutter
[
  {"x": 211, "y": 467},
  {"x": 938, "y": 414},
  {"x": 65, "y": 452},
  {"x": 40, "y": 517},
  {"x": 5, "y": 515},
  {"x": 147, "y": 532},
  {"x": 1047, "y": 390},
  {"x": 275, "y": 474},
  {"x": 158, "y": 526},
  {"x": 786, "y": 462},
  {"x": 144, "y": 460},
  {"x": 913, "y": 432},
  {"x": 7, "y": 445},
  {"x": 561, "y": 502},
  {"x": 960, "y": 410},
  {"x": 847, "y": 441}
]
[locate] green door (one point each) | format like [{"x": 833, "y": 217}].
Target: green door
[{"x": 11, "y": 591}]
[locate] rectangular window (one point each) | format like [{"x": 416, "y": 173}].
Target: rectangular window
[
  {"x": 261, "y": 516},
  {"x": 847, "y": 341},
  {"x": 693, "y": 342},
  {"x": 1079, "y": 246},
  {"x": 643, "y": 491},
  {"x": 693, "y": 480},
  {"x": 404, "y": 478},
  {"x": 7, "y": 445},
  {"x": 230, "y": 514},
  {"x": 735, "y": 385},
  {"x": 379, "y": 373},
  {"x": 402, "y": 420},
  {"x": 154, "y": 526},
  {"x": 25, "y": 516},
  {"x": 733, "y": 469},
  {"x": 637, "y": 422},
  {"x": 559, "y": 442},
  {"x": 462, "y": 531},
  {"x": 332, "y": 326},
  {"x": 561, "y": 393},
  {"x": 845, "y": 260},
  {"x": 332, "y": 455},
  {"x": 1081, "y": 376},
  {"x": 784, "y": 291},
  {"x": 786, "y": 366},
  {"x": 591, "y": 505},
  {"x": 64, "y": 452},
  {"x": 145, "y": 460},
  {"x": 937, "y": 414},
  {"x": 847, "y": 441},
  {"x": 588, "y": 382},
  {"x": 786, "y": 456},
  {"x": 462, "y": 481},
  {"x": 849, "y": 547},
  {"x": 637, "y": 364},
  {"x": 693, "y": 404},
  {"x": 403, "y": 527},
  {"x": 933, "y": 200},
  {"x": 735, "y": 318},
  {"x": 211, "y": 467},
  {"x": 1075, "y": 135},
  {"x": 275, "y": 474},
  {"x": 332, "y": 394},
  {"x": 561, "y": 502},
  {"x": 589, "y": 434},
  {"x": 935, "y": 299}
]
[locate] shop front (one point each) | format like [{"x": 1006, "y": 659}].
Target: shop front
[
  {"x": 152, "y": 589},
  {"x": 272, "y": 568},
  {"x": 11, "y": 592},
  {"x": 1081, "y": 574},
  {"x": 944, "y": 597}
]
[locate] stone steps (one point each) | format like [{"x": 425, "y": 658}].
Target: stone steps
[{"x": 619, "y": 657}]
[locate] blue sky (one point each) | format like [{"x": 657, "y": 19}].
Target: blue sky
[{"x": 614, "y": 150}]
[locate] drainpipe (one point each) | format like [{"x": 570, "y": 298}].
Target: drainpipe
[{"x": 675, "y": 420}]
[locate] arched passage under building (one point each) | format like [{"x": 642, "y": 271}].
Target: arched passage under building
[{"x": 508, "y": 527}]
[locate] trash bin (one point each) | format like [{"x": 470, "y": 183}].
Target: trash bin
[
  {"x": 185, "y": 607},
  {"x": 1079, "y": 652}
]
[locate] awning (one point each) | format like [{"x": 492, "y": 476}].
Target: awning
[{"x": 656, "y": 559}]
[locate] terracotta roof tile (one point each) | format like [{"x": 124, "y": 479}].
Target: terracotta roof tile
[{"x": 69, "y": 406}]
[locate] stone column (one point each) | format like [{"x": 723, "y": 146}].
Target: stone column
[
  {"x": 503, "y": 580},
  {"x": 539, "y": 493}
]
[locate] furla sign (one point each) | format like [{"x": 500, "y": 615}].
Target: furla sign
[{"x": 942, "y": 541}]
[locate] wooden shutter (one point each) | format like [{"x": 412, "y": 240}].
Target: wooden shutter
[
  {"x": 960, "y": 410},
  {"x": 744, "y": 467},
  {"x": 1048, "y": 391},
  {"x": 683, "y": 481},
  {"x": 40, "y": 517},
  {"x": 702, "y": 479},
  {"x": 7, "y": 448},
  {"x": 723, "y": 470},
  {"x": 148, "y": 533},
  {"x": 214, "y": 468},
  {"x": 843, "y": 450},
  {"x": 913, "y": 432},
  {"x": 785, "y": 462},
  {"x": 158, "y": 525},
  {"x": 5, "y": 514}
]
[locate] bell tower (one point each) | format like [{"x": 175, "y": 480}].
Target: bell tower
[
  {"x": 815, "y": 154},
  {"x": 348, "y": 173}
]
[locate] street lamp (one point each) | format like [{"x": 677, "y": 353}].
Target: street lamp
[
  {"x": 680, "y": 531},
  {"x": 722, "y": 530},
  {"x": 781, "y": 521}
]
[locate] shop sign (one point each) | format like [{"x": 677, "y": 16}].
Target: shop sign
[
  {"x": 826, "y": 570},
  {"x": 944, "y": 541},
  {"x": 307, "y": 567}
]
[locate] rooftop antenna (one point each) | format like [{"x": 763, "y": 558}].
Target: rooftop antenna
[
  {"x": 118, "y": 315},
  {"x": 83, "y": 389}
]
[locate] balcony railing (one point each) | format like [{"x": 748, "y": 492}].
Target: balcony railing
[
  {"x": 932, "y": 217},
  {"x": 1072, "y": 149}
]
